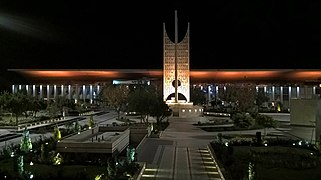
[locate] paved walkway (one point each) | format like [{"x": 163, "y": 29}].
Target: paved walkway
[{"x": 180, "y": 153}]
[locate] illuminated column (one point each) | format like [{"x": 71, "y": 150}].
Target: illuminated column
[
  {"x": 209, "y": 94},
  {"x": 19, "y": 87},
  {"x": 34, "y": 90},
  {"x": 13, "y": 88},
  {"x": 281, "y": 94},
  {"x": 98, "y": 89},
  {"x": 298, "y": 92},
  {"x": 62, "y": 90},
  {"x": 27, "y": 88},
  {"x": 40, "y": 93},
  {"x": 257, "y": 89},
  {"x": 273, "y": 96},
  {"x": 290, "y": 94},
  {"x": 84, "y": 92},
  {"x": 313, "y": 90},
  {"x": 91, "y": 93},
  {"x": 216, "y": 91},
  {"x": 77, "y": 93},
  {"x": 264, "y": 89},
  {"x": 69, "y": 91},
  {"x": 48, "y": 92},
  {"x": 55, "y": 91}
]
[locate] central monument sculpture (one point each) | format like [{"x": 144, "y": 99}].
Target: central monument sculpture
[
  {"x": 176, "y": 80},
  {"x": 176, "y": 75}
]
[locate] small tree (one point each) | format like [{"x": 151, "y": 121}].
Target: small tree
[
  {"x": 57, "y": 160},
  {"x": 242, "y": 96},
  {"x": 265, "y": 121},
  {"x": 198, "y": 96},
  {"x": 140, "y": 101},
  {"x": 91, "y": 122},
  {"x": 111, "y": 168},
  {"x": 17, "y": 103},
  {"x": 26, "y": 144},
  {"x": 77, "y": 127},
  {"x": 130, "y": 154},
  {"x": 159, "y": 109},
  {"x": 57, "y": 134},
  {"x": 242, "y": 120},
  {"x": 62, "y": 103},
  {"x": 279, "y": 106},
  {"x": 53, "y": 109},
  {"x": 42, "y": 153},
  {"x": 115, "y": 96},
  {"x": 20, "y": 151},
  {"x": 252, "y": 171},
  {"x": 36, "y": 104},
  {"x": 18, "y": 164},
  {"x": 261, "y": 98}
]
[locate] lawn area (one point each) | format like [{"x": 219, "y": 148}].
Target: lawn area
[
  {"x": 42, "y": 171},
  {"x": 8, "y": 120},
  {"x": 286, "y": 163},
  {"x": 271, "y": 162},
  {"x": 288, "y": 174},
  {"x": 68, "y": 171}
]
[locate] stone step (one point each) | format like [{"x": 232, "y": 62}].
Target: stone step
[{"x": 150, "y": 171}]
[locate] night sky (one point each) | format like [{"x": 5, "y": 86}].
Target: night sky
[{"x": 98, "y": 34}]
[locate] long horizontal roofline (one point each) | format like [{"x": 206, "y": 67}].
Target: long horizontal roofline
[
  {"x": 135, "y": 70},
  {"x": 196, "y": 75}
]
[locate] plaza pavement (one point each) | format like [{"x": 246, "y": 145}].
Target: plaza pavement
[{"x": 180, "y": 153}]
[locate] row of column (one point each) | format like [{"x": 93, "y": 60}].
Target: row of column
[
  {"x": 76, "y": 92},
  {"x": 275, "y": 93},
  {"x": 90, "y": 92}
]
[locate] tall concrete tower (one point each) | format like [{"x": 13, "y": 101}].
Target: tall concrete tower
[{"x": 176, "y": 70}]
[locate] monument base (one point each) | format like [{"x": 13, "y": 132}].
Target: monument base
[{"x": 185, "y": 109}]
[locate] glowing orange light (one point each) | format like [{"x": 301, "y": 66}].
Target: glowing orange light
[{"x": 199, "y": 75}]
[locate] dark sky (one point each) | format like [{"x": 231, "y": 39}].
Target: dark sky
[{"x": 100, "y": 34}]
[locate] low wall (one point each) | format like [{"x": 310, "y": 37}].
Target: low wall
[
  {"x": 137, "y": 133},
  {"x": 139, "y": 174},
  {"x": 82, "y": 143},
  {"x": 186, "y": 110},
  {"x": 304, "y": 111}
]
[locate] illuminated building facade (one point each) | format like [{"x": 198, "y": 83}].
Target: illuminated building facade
[{"x": 278, "y": 84}]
